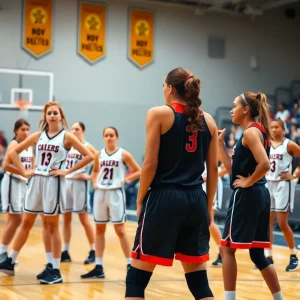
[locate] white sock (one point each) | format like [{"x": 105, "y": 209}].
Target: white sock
[
  {"x": 56, "y": 263},
  {"x": 268, "y": 252},
  {"x": 66, "y": 247},
  {"x": 293, "y": 251},
  {"x": 278, "y": 296},
  {"x": 229, "y": 295},
  {"x": 128, "y": 260},
  {"x": 49, "y": 257},
  {"x": 3, "y": 248},
  {"x": 92, "y": 246},
  {"x": 99, "y": 261},
  {"x": 13, "y": 254}
]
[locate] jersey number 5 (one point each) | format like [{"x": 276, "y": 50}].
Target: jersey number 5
[{"x": 192, "y": 145}]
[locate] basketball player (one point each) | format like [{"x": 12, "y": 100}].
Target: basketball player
[
  {"x": 43, "y": 192},
  {"x": 217, "y": 204},
  {"x": 109, "y": 198},
  {"x": 282, "y": 188},
  {"x": 76, "y": 196},
  {"x": 247, "y": 222},
  {"x": 13, "y": 186},
  {"x": 172, "y": 208}
]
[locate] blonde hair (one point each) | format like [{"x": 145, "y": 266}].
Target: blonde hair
[
  {"x": 259, "y": 107},
  {"x": 43, "y": 122}
]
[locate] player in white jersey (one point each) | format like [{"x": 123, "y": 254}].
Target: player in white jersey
[
  {"x": 282, "y": 188},
  {"x": 13, "y": 186},
  {"x": 109, "y": 198},
  {"x": 217, "y": 204},
  {"x": 43, "y": 194},
  {"x": 77, "y": 195}
]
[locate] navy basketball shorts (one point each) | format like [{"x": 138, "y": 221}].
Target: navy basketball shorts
[
  {"x": 174, "y": 223},
  {"x": 248, "y": 217}
]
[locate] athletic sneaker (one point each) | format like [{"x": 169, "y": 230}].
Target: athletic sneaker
[
  {"x": 7, "y": 267},
  {"x": 218, "y": 261},
  {"x": 53, "y": 277},
  {"x": 3, "y": 256},
  {"x": 65, "y": 256},
  {"x": 294, "y": 263},
  {"x": 97, "y": 272},
  {"x": 91, "y": 258},
  {"x": 44, "y": 273}
]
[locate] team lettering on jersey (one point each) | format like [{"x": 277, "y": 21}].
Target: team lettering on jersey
[
  {"x": 47, "y": 147},
  {"x": 109, "y": 163},
  {"x": 75, "y": 155},
  {"x": 276, "y": 156},
  {"x": 26, "y": 159}
]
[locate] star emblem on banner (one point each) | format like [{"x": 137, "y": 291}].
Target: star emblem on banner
[
  {"x": 38, "y": 15},
  {"x": 142, "y": 28},
  {"x": 93, "y": 22}
]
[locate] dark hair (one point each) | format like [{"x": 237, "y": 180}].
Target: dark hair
[
  {"x": 283, "y": 105},
  {"x": 281, "y": 123},
  {"x": 187, "y": 87},
  {"x": 18, "y": 124},
  {"x": 259, "y": 107},
  {"x": 82, "y": 126},
  {"x": 113, "y": 128}
]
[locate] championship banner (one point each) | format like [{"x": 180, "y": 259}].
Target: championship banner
[
  {"x": 141, "y": 37},
  {"x": 91, "y": 31},
  {"x": 37, "y": 27}
]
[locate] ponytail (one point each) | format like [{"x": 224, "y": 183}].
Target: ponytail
[
  {"x": 264, "y": 113},
  {"x": 187, "y": 87}
]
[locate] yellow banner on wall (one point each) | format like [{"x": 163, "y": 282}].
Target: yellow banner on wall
[
  {"x": 91, "y": 31},
  {"x": 141, "y": 37},
  {"x": 37, "y": 27}
]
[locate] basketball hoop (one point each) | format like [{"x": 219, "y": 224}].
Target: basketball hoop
[{"x": 23, "y": 106}]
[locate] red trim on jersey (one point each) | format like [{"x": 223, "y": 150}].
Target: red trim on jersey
[
  {"x": 192, "y": 259},
  {"x": 180, "y": 108},
  {"x": 257, "y": 125},
  {"x": 167, "y": 262},
  {"x": 254, "y": 244}
]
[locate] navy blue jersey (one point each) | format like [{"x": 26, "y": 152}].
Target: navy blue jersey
[
  {"x": 182, "y": 153},
  {"x": 243, "y": 161}
]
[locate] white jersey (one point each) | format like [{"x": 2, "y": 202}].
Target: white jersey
[
  {"x": 26, "y": 158},
  {"x": 73, "y": 157},
  {"x": 280, "y": 161},
  {"x": 112, "y": 170},
  {"x": 50, "y": 153}
]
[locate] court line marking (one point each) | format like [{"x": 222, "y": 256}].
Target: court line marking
[{"x": 123, "y": 281}]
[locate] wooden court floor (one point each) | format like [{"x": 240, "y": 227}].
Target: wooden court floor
[{"x": 167, "y": 283}]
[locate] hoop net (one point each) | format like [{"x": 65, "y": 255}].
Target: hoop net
[{"x": 23, "y": 106}]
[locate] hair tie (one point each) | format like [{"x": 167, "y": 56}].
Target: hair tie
[{"x": 188, "y": 77}]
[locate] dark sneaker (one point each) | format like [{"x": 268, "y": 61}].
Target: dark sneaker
[
  {"x": 294, "y": 263},
  {"x": 97, "y": 272},
  {"x": 44, "y": 273},
  {"x": 7, "y": 267},
  {"x": 52, "y": 277},
  {"x": 91, "y": 258},
  {"x": 3, "y": 257},
  {"x": 218, "y": 261},
  {"x": 65, "y": 257},
  {"x": 128, "y": 267}
]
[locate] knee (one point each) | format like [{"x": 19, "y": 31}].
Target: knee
[
  {"x": 15, "y": 221},
  {"x": 27, "y": 224},
  {"x": 136, "y": 282},
  {"x": 52, "y": 227},
  {"x": 84, "y": 221},
  {"x": 225, "y": 251},
  {"x": 120, "y": 231},
  {"x": 198, "y": 284},
  {"x": 100, "y": 230},
  {"x": 258, "y": 258},
  {"x": 67, "y": 219},
  {"x": 283, "y": 224}
]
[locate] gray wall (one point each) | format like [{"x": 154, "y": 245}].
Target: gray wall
[{"x": 115, "y": 92}]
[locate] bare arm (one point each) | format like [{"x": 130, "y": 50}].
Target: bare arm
[
  {"x": 153, "y": 131},
  {"x": 7, "y": 162},
  {"x": 224, "y": 157},
  {"x": 293, "y": 149},
  {"x": 14, "y": 153},
  {"x": 133, "y": 165},
  {"x": 212, "y": 162},
  {"x": 96, "y": 169},
  {"x": 252, "y": 140}
]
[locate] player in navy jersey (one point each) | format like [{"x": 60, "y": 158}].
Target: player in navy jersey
[
  {"x": 173, "y": 210},
  {"x": 43, "y": 193},
  {"x": 247, "y": 222},
  {"x": 13, "y": 187}
]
